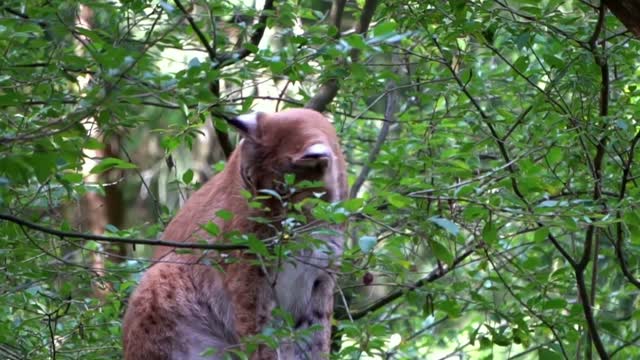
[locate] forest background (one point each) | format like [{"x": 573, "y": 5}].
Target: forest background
[{"x": 492, "y": 150}]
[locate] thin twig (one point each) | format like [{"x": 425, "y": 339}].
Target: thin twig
[
  {"x": 619, "y": 230},
  {"x": 382, "y": 136},
  {"x": 525, "y": 305},
  {"x": 634, "y": 340},
  {"x": 203, "y": 39}
]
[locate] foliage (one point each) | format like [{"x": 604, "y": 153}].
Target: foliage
[{"x": 492, "y": 146}]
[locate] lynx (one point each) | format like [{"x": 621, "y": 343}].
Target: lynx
[{"x": 184, "y": 305}]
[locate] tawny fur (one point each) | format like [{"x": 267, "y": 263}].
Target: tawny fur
[{"x": 183, "y": 305}]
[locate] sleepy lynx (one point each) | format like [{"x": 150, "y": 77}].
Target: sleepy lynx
[{"x": 184, "y": 305}]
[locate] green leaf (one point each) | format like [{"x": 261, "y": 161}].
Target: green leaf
[
  {"x": 521, "y": 64},
  {"x": 170, "y": 143},
  {"x": 554, "y": 304},
  {"x": 110, "y": 163},
  {"x": 490, "y": 233},
  {"x": 219, "y": 166},
  {"x": 211, "y": 228},
  {"x": 497, "y": 337},
  {"x": 441, "y": 252},
  {"x": 384, "y": 29},
  {"x": 398, "y": 201},
  {"x": 208, "y": 352},
  {"x": 377, "y": 329},
  {"x": 554, "y": 61},
  {"x": 257, "y": 246},
  {"x": 44, "y": 165},
  {"x": 367, "y": 243},
  {"x": 225, "y": 215},
  {"x": 187, "y": 176},
  {"x": 290, "y": 179},
  {"x": 548, "y": 354},
  {"x": 448, "y": 225},
  {"x": 555, "y": 155},
  {"x": 72, "y": 177},
  {"x": 451, "y": 307},
  {"x": 353, "y": 205},
  {"x": 93, "y": 144},
  {"x": 356, "y": 41},
  {"x": 246, "y": 194},
  {"x": 278, "y": 67},
  {"x": 541, "y": 234}
]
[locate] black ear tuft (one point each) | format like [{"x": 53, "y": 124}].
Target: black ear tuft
[
  {"x": 247, "y": 124},
  {"x": 238, "y": 124}
]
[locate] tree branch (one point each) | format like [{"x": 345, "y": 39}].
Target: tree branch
[
  {"x": 24, "y": 16},
  {"x": 434, "y": 275},
  {"x": 233, "y": 57},
  {"x": 633, "y": 341},
  {"x": 228, "y": 59},
  {"x": 485, "y": 118},
  {"x": 503, "y": 150},
  {"x": 599, "y": 26},
  {"x": 619, "y": 230},
  {"x": 628, "y": 12},
  {"x": 222, "y": 60},
  {"x": 329, "y": 88},
  {"x": 203, "y": 40},
  {"x": 75, "y": 235},
  {"x": 15, "y": 12},
  {"x": 525, "y": 305},
  {"x": 591, "y": 244},
  {"x": 335, "y": 16},
  {"x": 382, "y": 136},
  {"x": 583, "y": 294},
  {"x": 368, "y": 9}
]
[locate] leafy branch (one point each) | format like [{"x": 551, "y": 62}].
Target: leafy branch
[
  {"x": 117, "y": 240},
  {"x": 225, "y": 59},
  {"x": 434, "y": 275},
  {"x": 329, "y": 89},
  {"x": 578, "y": 266}
]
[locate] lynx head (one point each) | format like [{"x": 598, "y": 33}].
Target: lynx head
[{"x": 295, "y": 141}]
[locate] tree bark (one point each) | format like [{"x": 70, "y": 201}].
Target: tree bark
[{"x": 628, "y": 12}]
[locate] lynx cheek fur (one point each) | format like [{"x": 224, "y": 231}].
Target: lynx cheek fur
[{"x": 183, "y": 306}]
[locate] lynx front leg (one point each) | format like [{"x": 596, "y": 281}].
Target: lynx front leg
[
  {"x": 316, "y": 313},
  {"x": 304, "y": 288},
  {"x": 319, "y": 316}
]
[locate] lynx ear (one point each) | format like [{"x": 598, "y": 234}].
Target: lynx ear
[
  {"x": 315, "y": 155},
  {"x": 247, "y": 124}
]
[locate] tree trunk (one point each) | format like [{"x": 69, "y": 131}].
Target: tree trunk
[
  {"x": 628, "y": 12},
  {"x": 98, "y": 210}
]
